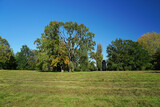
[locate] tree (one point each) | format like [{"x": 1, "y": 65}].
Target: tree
[
  {"x": 23, "y": 58},
  {"x": 99, "y": 57},
  {"x": 75, "y": 39},
  {"x": 48, "y": 46},
  {"x": 84, "y": 63},
  {"x": 6, "y": 54},
  {"x": 52, "y": 51},
  {"x": 150, "y": 41},
  {"x": 11, "y": 63},
  {"x": 32, "y": 60},
  {"x": 79, "y": 42},
  {"x": 126, "y": 55},
  {"x": 156, "y": 60}
]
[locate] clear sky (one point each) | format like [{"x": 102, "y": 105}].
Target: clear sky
[{"x": 23, "y": 21}]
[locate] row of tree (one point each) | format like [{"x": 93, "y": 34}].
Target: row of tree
[
  {"x": 62, "y": 47},
  {"x": 129, "y": 55},
  {"x": 70, "y": 47}
]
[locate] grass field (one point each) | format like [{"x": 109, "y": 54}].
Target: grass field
[{"x": 119, "y": 89}]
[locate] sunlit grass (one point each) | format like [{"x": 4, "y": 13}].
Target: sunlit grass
[{"x": 107, "y": 88}]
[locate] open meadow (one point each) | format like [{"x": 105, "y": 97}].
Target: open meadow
[{"x": 99, "y": 88}]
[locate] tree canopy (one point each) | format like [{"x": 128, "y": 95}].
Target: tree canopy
[
  {"x": 126, "y": 55},
  {"x": 64, "y": 44},
  {"x": 150, "y": 41},
  {"x": 25, "y": 58},
  {"x": 98, "y": 57},
  {"x": 70, "y": 46},
  {"x": 156, "y": 60},
  {"x": 6, "y": 55}
]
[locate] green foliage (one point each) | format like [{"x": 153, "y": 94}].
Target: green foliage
[
  {"x": 77, "y": 68},
  {"x": 127, "y": 55},
  {"x": 7, "y": 60},
  {"x": 92, "y": 66},
  {"x": 79, "y": 43},
  {"x": 21, "y": 61},
  {"x": 61, "y": 59},
  {"x": 98, "y": 57},
  {"x": 71, "y": 67},
  {"x": 51, "y": 54},
  {"x": 156, "y": 60},
  {"x": 11, "y": 64},
  {"x": 25, "y": 59},
  {"x": 62, "y": 43},
  {"x": 151, "y": 42},
  {"x": 43, "y": 62},
  {"x": 32, "y": 60},
  {"x": 84, "y": 63}
]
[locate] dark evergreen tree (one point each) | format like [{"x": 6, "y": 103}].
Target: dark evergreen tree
[{"x": 156, "y": 60}]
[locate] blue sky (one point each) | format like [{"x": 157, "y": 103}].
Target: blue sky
[{"x": 23, "y": 21}]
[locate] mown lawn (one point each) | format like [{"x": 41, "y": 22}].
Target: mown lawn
[{"x": 119, "y": 89}]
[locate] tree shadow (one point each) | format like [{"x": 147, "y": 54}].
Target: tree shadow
[{"x": 153, "y": 72}]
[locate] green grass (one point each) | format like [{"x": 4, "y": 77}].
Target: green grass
[{"x": 45, "y": 89}]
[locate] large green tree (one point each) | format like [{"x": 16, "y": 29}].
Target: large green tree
[
  {"x": 127, "y": 55},
  {"x": 78, "y": 42},
  {"x": 51, "y": 48}
]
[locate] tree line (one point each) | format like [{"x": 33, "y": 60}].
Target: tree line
[{"x": 70, "y": 47}]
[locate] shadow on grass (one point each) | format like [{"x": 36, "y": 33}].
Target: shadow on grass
[
  {"x": 153, "y": 72},
  {"x": 66, "y": 71},
  {"x": 47, "y": 71}
]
